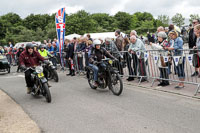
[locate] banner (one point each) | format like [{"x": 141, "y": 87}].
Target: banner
[
  {"x": 138, "y": 54},
  {"x": 146, "y": 55},
  {"x": 60, "y": 28},
  {"x": 176, "y": 59},
  {"x": 156, "y": 58},
  {"x": 165, "y": 58},
  {"x": 190, "y": 58}
]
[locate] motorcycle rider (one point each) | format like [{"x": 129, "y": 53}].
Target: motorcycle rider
[
  {"x": 21, "y": 49},
  {"x": 97, "y": 54},
  {"x": 43, "y": 52},
  {"x": 30, "y": 58}
]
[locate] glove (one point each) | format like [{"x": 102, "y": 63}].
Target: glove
[
  {"x": 23, "y": 67},
  {"x": 46, "y": 62},
  {"x": 94, "y": 62}
]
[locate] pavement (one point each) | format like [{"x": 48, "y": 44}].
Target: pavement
[
  {"x": 77, "y": 108},
  {"x": 13, "y": 119}
]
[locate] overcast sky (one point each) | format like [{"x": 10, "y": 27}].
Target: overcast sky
[{"x": 155, "y": 7}]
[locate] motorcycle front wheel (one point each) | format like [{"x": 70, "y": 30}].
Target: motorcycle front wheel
[
  {"x": 47, "y": 92},
  {"x": 116, "y": 85},
  {"x": 55, "y": 75}
]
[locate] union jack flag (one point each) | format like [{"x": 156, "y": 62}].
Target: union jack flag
[{"x": 60, "y": 28}]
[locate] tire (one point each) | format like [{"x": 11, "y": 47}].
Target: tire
[
  {"x": 47, "y": 92},
  {"x": 55, "y": 75},
  {"x": 8, "y": 69},
  {"x": 117, "y": 79},
  {"x": 91, "y": 79}
]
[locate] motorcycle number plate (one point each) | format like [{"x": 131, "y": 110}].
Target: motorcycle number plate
[{"x": 40, "y": 75}]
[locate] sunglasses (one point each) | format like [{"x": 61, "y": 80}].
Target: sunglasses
[{"x": 194, "y": 22}]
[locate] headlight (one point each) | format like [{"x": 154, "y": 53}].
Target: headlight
[
  {"x": 110, "y": 62},
  {"x": 39, "y": 69}
]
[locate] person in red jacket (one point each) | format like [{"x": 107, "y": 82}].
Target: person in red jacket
[{"x": 30, "y": 58}]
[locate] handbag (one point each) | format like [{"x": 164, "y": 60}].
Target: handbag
[{"x": 163, "y": 64}]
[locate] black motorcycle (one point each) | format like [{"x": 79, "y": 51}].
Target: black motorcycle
[
  {"x": 52, "y": 70},
  {"x": 40, "y": 83},
  {"x": 108, "y": 76},
  {"x": 4, "y": 64}
]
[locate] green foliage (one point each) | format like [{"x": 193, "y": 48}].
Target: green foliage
[
  {"x": 178, "y": 19},
  {"x": 164, "y": 19},
  {"x": 194, "y": 16},
  {"x": 123, "y": 20},
  {"x": 80, "y": 23},
  {"x": 41, "y": 27}
]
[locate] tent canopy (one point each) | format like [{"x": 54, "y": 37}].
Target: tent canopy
[
  {"x": 103, "y": 35},
  {"x": 71, "y": 36}
]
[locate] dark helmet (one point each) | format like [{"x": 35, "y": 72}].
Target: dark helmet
[
  {"x": 42, "y": 46},
  {"x": 28, "y": 46}
]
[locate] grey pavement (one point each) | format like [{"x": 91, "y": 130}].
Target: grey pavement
[{"x": 76, "y": 108}]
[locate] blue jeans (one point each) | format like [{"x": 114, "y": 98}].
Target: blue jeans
[{"x": 95, "y": 69}]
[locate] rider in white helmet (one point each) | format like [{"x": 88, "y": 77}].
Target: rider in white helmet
[{"x": 97, "y": 54}]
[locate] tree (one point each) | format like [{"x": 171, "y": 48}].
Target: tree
[
  {"x": 123, "y": 20},
  {"x": 194, "y": 16},
  {"x": 178, "y": 19},
  {"x": 164, "y": 19},
  {"x": 104, "y": 21},
  {"x": 80, "y": 23}
]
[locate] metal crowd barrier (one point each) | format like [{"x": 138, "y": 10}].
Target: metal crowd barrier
[{"x": 145, "y": 65}]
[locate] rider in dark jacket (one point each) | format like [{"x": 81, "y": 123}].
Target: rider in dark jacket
[
  {"x": 97, "y": 55},
  {"x": 30, "y": 58}
]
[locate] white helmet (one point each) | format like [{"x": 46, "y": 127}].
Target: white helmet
[{"x": 96, "y": 42}]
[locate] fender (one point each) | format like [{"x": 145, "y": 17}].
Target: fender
[
  {"x": 43, "y": 80},
  {"x": 52, "y": 67}
]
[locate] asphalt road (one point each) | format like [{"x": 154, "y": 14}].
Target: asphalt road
[{"x": 76, "y": 108}]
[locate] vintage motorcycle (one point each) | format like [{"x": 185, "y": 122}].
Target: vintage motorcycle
[
  {"x": 108, "y": 76},
  {"x": 40, "y": 83},
  {"x": 4, "y": 64}
]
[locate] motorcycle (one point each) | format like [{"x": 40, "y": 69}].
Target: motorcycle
[
  {"x": 108, "y": 76},
  {"x": 52, "y": 73},
  {"x": 40, "y": 83},
  {"x": 4, "y": 64}
]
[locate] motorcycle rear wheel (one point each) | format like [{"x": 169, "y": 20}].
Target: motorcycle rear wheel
[{"x": 91, "y": 80}]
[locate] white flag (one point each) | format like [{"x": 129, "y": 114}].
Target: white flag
[
  {"x": 156, "y": 58},
  {"x": 138, "y": 54},
  {"x": 146, "y": 55},
  {"x": 190, "y": 58},
  {"x": 165, "y": 58},
  {"x": 176, "y": 60}
]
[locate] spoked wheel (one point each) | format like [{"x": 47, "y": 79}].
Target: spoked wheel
[
  {"x": 47, "y": 93},
  {"x": 55, "y": 75},
  {"x": 8, "y": 69},
  {"x": 116, "y": 85},
  {"x": 91, "y": 79}
]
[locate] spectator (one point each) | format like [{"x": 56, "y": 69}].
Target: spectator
[
  {"x": 113, "y": 50},
  {"x": 138, "y": 46},
  {"x": 127, "y": 58},
  {"x": 197, "y": 33},
  {"x": 50, "y": 48},
  {"x": 162, "y": 42},
  {"x": 133, "y": 33},
  {"x": 178, "y": 46},
  {"x": 192, "y": 43},
  {"x": 119, "y": 40}
]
